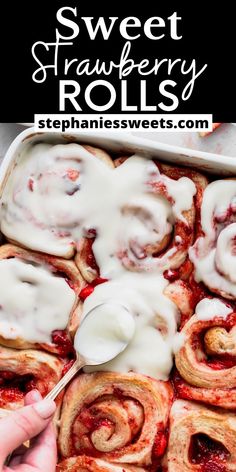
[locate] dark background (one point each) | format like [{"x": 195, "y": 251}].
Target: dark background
[{"x": 208, "y": 35}]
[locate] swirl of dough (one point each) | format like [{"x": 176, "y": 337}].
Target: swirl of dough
[
  {"x": 188, "y": 422},
  {"x": 24, "y": 370},
  {"x": 207, "y": 359},
  {"x": 120, "y": 418}
]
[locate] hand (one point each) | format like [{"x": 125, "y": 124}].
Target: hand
[{"x": 31, "y": 422}]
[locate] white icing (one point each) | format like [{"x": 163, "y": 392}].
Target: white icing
[
  {"x": 51, "y": 220},
  {"x": 182, "y": 191},
  {"x": 100, "y": 342},
  {"x": 178, "y": 342},
  {"x": 214, "y": 254},
  {"x": 207, "y": 309},
  {"x": 218, "y": 197},
  {"x": 225, "y": 256},
  {"x": 156, "y": 316},
  {"x": 56, "y": 194},
  {"x": 33, "y": 301},
  {"x": 205, "y": 270}
]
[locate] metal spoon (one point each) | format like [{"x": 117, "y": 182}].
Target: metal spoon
[{"x": 100, "y": 357}]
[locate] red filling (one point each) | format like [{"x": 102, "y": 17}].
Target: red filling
[
  {"x": 14, "y": 386},
  {"x": 86, "y": 291},
  {"x": 181, "y": 388},
  {"x": 31, "y": 184},
  {"x": 90, "y": 258},
  {"x": 199, "y": 291},
  {"x": 89, "y": 420},
  {"x": 118, "y": 392},
  {"x": 72, "y": 174},
  {"x": 230, "y": 321},
  {"x": 160, "y": 442},
  {"x": 171, "y": 275},
  {"x": 63, "y": 343},
  {"x": 227, "y": 217},
  {"x": 222, "y": 362},
  {"x": 210, "y": 454}
]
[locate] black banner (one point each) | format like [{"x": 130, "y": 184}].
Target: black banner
[{"x": 91, "y": 57}]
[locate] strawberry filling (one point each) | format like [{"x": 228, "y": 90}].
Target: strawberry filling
[
  {"x": 160, "y": 442},
  {"x": 13, "y": 387},
  {"x": 221, "y": 362},
  {"x": 210, "y": 454},
  {"x": 86, "y": 291},
  {"x": 171, "y": 275},
  {"x": 181, "y": 388},
  {"x": 91, "y": 422},
  {"x": 72, "y": 174},
  {"x": 63, "y": 343},
  {"x": 199, "y": 291}
]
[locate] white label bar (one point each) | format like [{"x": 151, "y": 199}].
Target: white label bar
[{"x": 115, "y": 122}]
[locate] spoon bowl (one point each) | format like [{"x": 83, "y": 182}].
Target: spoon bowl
[{"x": 104, "y": 333}]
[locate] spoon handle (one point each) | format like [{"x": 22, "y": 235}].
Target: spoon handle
[{"x": 78, "y": 364}]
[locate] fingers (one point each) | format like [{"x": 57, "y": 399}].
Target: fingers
[
  {"x": 24, "y": 424},
  {"x": 43, "y": 455},
  {"x": 32, "y": 397}
]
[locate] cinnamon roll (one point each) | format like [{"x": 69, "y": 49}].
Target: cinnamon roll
[
  {"x": 90, "y": 464},
  {"x": 206, "y": 361},
  {"x": 158, "y": 224},
  {"x": 41, "y": 208},
  {"x": 213, "y": 254},
  {"x": 118, "y": 418},
  {"x": 201, "y": 439},
  {"x": 38, "y": 300},
  {"x": 25, "y": 370}
]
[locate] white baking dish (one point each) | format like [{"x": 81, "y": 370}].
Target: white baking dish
[{"x": 122, "y": 143}]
